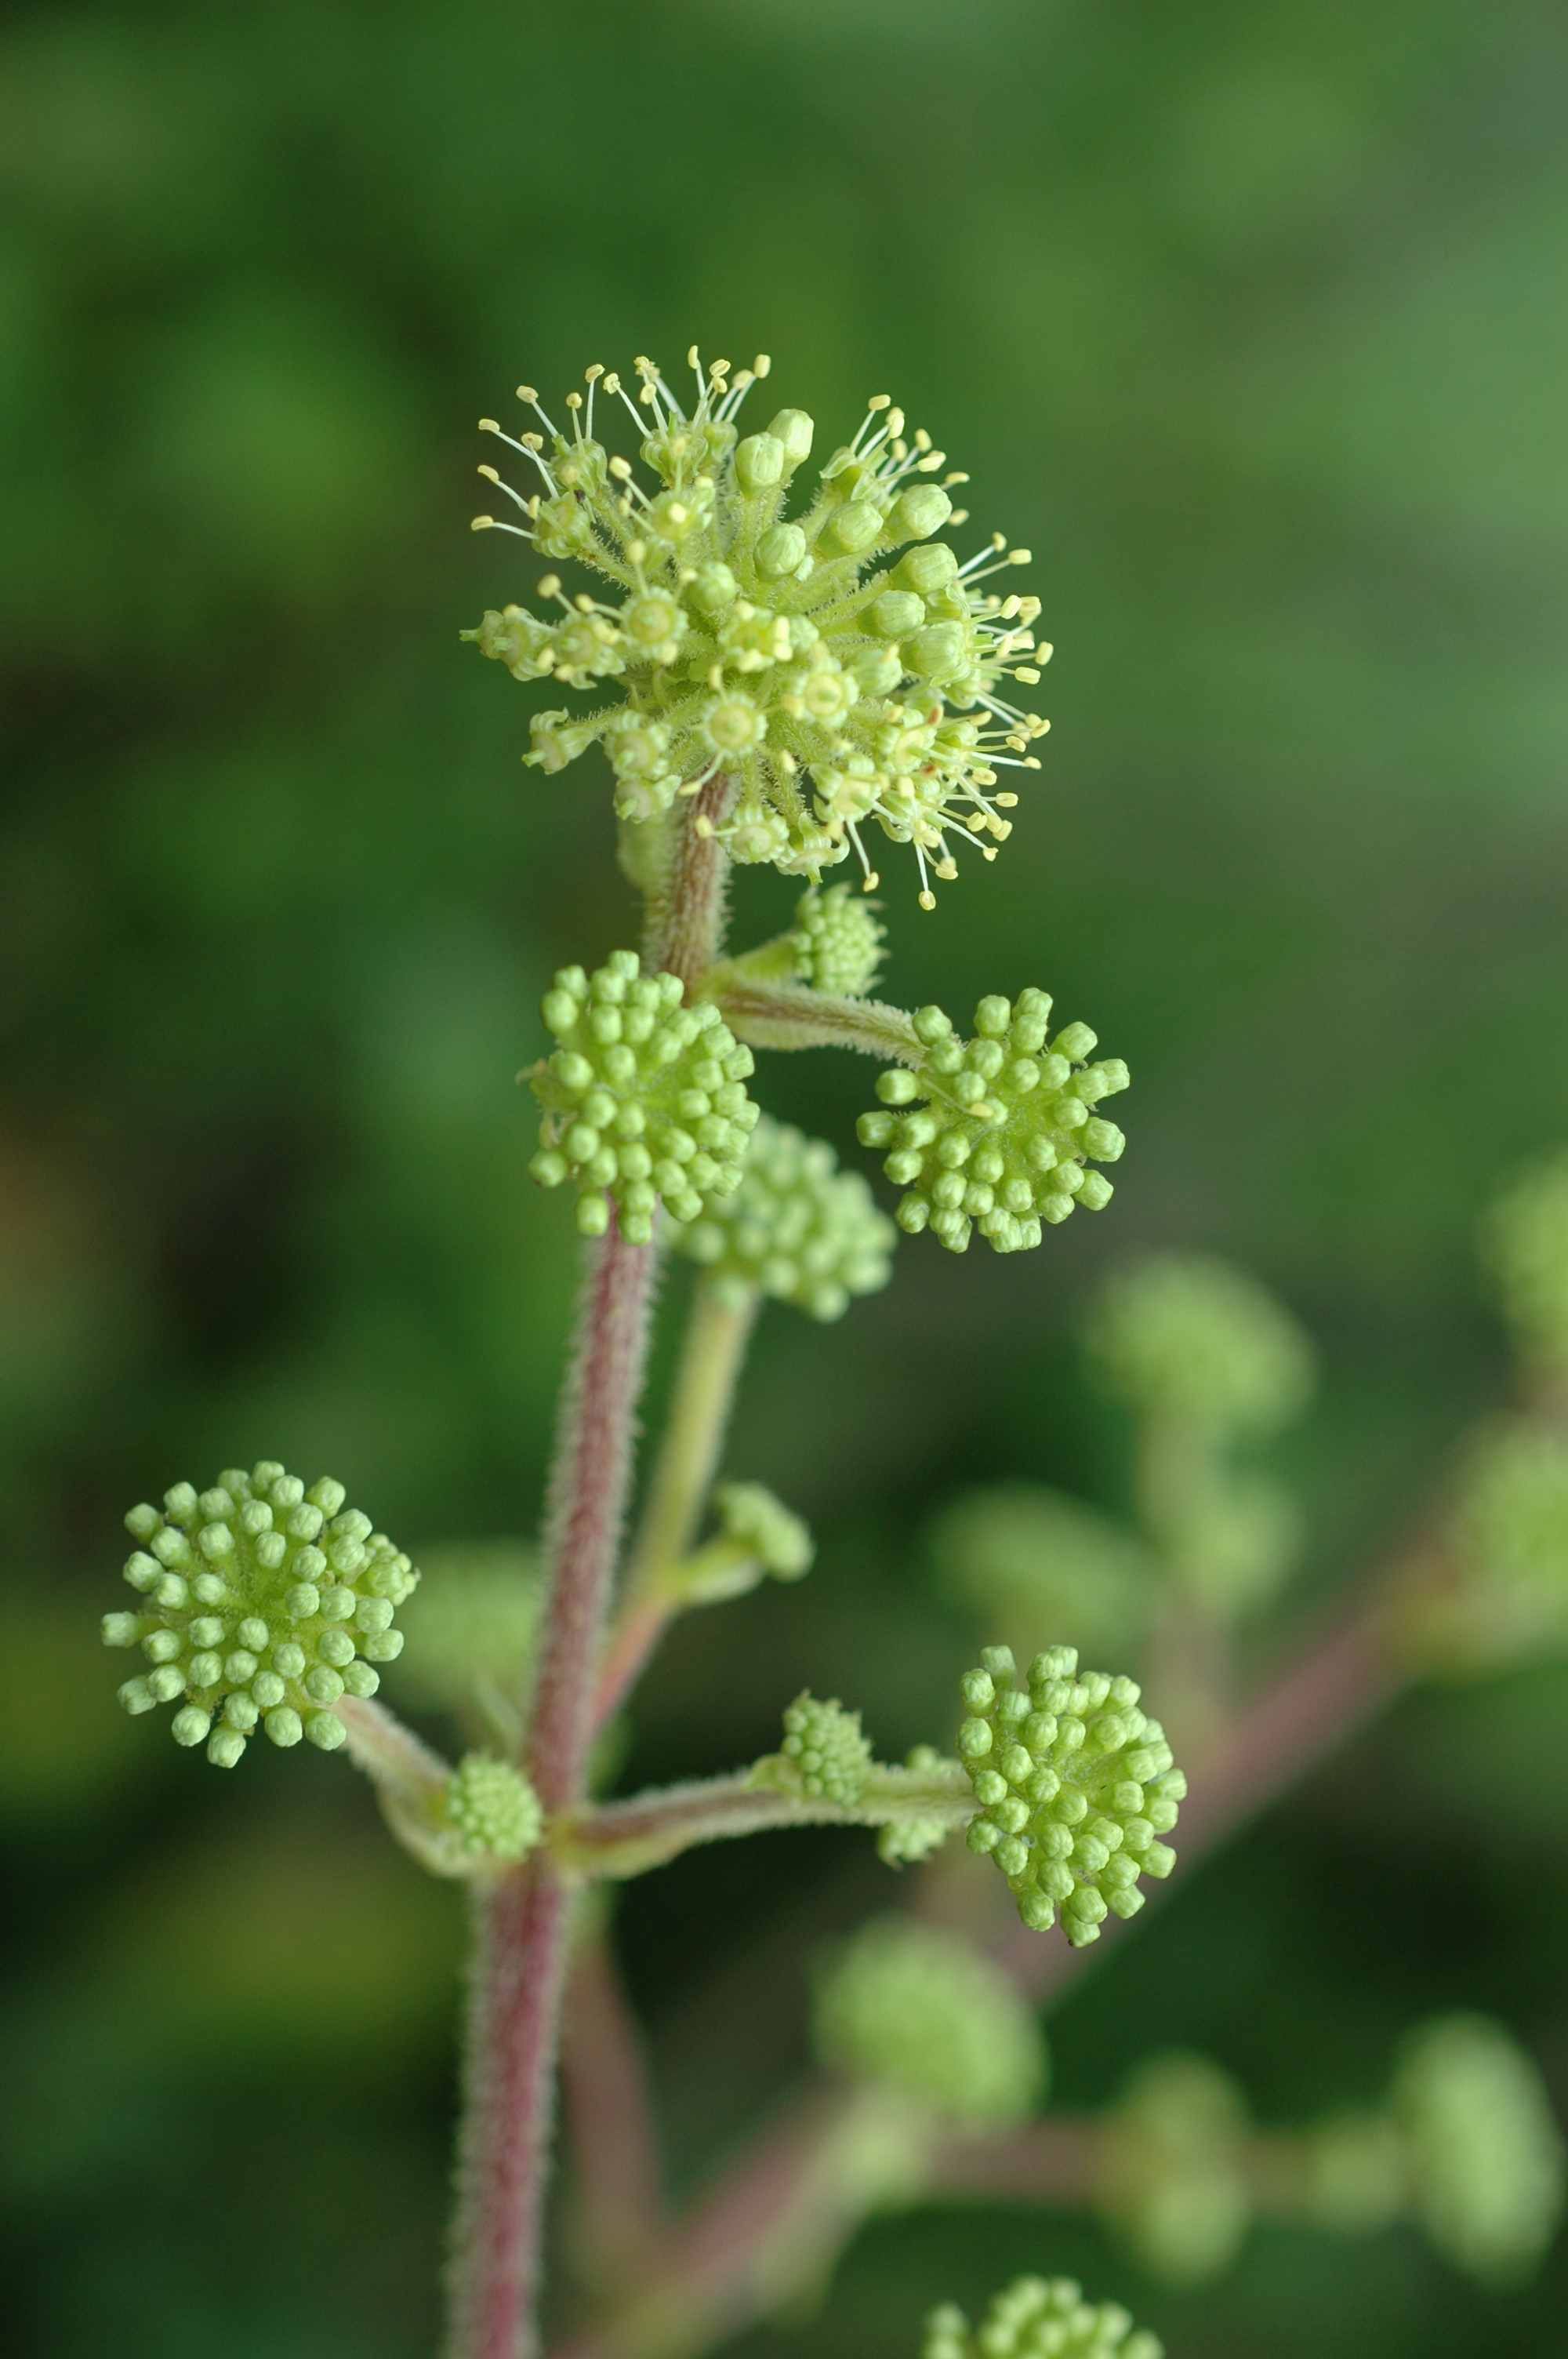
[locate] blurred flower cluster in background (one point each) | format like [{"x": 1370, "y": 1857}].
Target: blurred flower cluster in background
[{"x": 1241, "y": 320}]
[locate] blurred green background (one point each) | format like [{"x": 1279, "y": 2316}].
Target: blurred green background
[{"x": 1249, "y": 319}]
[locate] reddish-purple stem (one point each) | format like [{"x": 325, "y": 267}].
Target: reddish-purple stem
[{"x": 523, "y": 1930}]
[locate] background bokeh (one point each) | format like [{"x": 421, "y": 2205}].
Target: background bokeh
[{"x": 1248, "y": 318}]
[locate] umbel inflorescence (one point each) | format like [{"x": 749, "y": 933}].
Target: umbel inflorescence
[
  {"x": 1039, "y": 2318},
  {"x": 797, "y": 1229},
  {"x": 995, "y": 1133},
  {"x": 840, "y": 662},
  {"x": 261, "y": 1604},
  {"x": 1076, "y": 1786},
  {"x": 645, "y": 1100}
]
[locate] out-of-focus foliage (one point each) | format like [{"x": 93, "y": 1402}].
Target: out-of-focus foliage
[{"x": 1242, "y": 318}]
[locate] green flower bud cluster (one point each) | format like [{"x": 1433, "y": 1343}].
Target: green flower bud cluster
[
  {"x": 261, "y": 1604},
  {"x": 492, "y": 1809},
  {"x": 1507, "y": 1593},
  {"x": 1173, "y": 2179},
  {"x": 1040, "y": 2318},
  {"x": 838, "y": 941},
  {"x": 1189, "y": 1338},
  {"x": 1075, "y": 1785},
  {"x": 1021, "y": 1552},
  {"x": 769, "y": 1533},
  {"x": 919, "y": 2010},
  {"x": 840, "y": 690},
  {"x": 1485, "y": 2154},
  {"x": 645, "y": 1100},
  {"x": 1525, "y": 1243},
  {"x": 904, "y": 1841},
  {"x": 999, "y": 1128},
  {"x": 796, "y": 1228},
  {"x": 825, "y": 1754}
]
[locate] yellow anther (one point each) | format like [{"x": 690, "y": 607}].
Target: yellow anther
[
  {"x": 488, "y": 474},
  {"x": 527, "y": 393},
  {"x": 490, "y": 426},
  {"x": 483, "y": 524}
]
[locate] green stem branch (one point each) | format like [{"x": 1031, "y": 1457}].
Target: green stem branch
[{"x": 627, "y": 1838}]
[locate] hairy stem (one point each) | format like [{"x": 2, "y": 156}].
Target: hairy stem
[
  {"x": 788, "y": 1016},
  {"x": 522, "y": 1924},
  {"x": 620, "y": 1839},
  {"x": 718, "y": 1332},
  {"x": 713, "y": 2277}
]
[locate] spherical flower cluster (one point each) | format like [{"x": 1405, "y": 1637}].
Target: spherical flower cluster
[
  {"x": 796, "y": 1228},
  {"x": 262, "y": 1603},
  {"x": 904, "y": 1841},
  {"x": 752, "y": 1519},
  {"x": 838, "y": 941},
  {"x": 1187, "y": 1336},
  {"x": 1021, "y": 1552},
  {"x": 1525, "y": 1242},
  {"x": 1000, "y": 1127},
  {"x": 844, "y": 688},
  {"x": 492, "y": 1809},
  {"x": 1484, "y": 2152},
  {"x": 920, "y": 2010},
  {"x": 1173, "y": 2177},
  {"x": 1040, "y": 2318},
  {"x": 1075, "y": 1785},
  {"x": 645, "y": 1100},
  {"x": 825, "y": 1754}
]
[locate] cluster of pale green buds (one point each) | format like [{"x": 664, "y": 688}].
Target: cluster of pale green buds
[
  {"x": 995, "y": 1132},
  {"x": 1040, "y": 2318},
  {"x": 645, "y": 1100},
  {"x": 824, "y": 1755},
  {"x": 797, "y": 1229},
  {"x": 842, "y": 686},
  {"x": 261, "y": 1605},
  {"x": 1075, "y": 1785}
]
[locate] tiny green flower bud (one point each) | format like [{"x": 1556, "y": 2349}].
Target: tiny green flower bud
[
  {"x": 759, "y": 461},
  {"x": 795, "y": 430},
  {"x": 644, "y": 1101},
  {"x": 997, "y": 1140},
  {"x": 1039, "y": 2318},
  {"x": 1484, "y": 2152},
  {"x": 492, "y": 1809},
  {"x": 922, "y": 2011},
  {"x": 1075, "y": 1785},
  {"x": 919, "y": 512},
  {"x": 796, "y": 1228},
  {"x": 781, "y": 550},
  {"x": 250, "y": 1643},
  {"x": 895, "y": 614}
]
